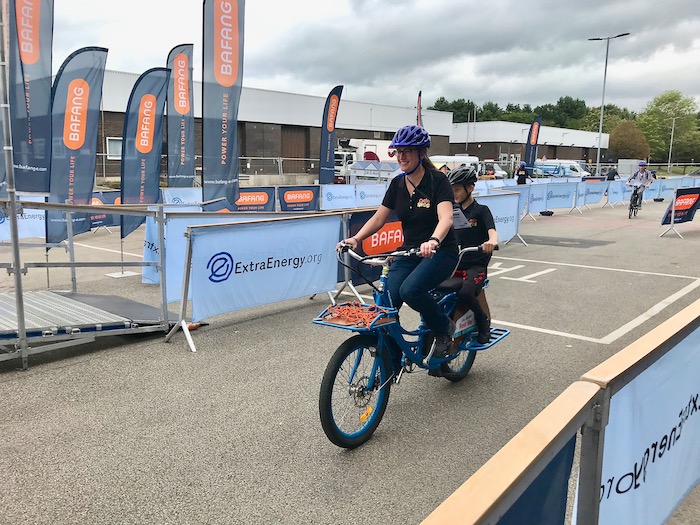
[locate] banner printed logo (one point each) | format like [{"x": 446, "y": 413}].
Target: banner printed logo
[
  {"x": 28, "y": 14},
  {"x": 252, "y": 197},
  {"x": 685, "y": 202},
  {"x": 75, "y": 120},
  {"x": 332, "y": 113},
  {"x": 298, "y": 197},
  {"x": 146, "y": 124},
  {"x": 220, "y": 267},
  {"x": 387, "y": 239},
  {"x": 182, "y": 86},
  {"x": 226, "y": 42},
  {"x": 535, "y": 133}
]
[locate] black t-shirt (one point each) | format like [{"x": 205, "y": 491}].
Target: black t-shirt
[
  {"x": 418, "y": 212},
  {"x": 522, "y": 175},
  {"x": 473, "y": 231}
]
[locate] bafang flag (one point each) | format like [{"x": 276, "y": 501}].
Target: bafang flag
[
  {"x": 142, "y": 143},
  {"x": 222, "y": 75},
  {"x": 75, "y": 119},
  {"x": 180, "y": 118},
  {"x": 330, "y": 112},
  {"x": 531, "y": 146},
  {"x": 29, "y": 91}
]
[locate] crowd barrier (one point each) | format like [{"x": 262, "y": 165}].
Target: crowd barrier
[{"x": 637, "y": 416}]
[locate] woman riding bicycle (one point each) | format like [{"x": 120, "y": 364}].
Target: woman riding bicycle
[
  {"x": 474, "y": 225},
  {"x": 422, "y": 199}
]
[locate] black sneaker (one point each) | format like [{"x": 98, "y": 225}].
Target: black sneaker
[
  {"x": 484, "y": 335},
  {"x": 443, "y": 342}
]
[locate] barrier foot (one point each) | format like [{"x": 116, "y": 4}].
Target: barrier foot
[
  {"x": 674, "y": 231},
  {"x": 185, "y": 330},
  {"x": 532, "y": 217}
]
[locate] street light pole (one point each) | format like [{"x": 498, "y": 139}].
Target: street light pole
[
  {"x": 602, "y": 104},
  {"x": 670, "y": 146}
]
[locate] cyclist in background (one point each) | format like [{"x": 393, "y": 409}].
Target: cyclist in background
[
  {"x": 642, "y": 179},
  {"x": 474, "y": 225},
  {"x": 422, "y": 199}
]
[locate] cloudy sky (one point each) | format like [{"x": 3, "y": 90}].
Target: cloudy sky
[{"x": 385, "y": 51}]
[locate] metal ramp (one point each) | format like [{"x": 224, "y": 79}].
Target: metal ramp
[{"x": 54, "y": 320}]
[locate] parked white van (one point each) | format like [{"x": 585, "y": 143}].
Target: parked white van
[{"x": 560, "y": 168}]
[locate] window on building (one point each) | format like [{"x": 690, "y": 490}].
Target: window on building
[{"x": 114, "y": 148}]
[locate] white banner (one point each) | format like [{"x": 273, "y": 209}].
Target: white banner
[
  {"x": 616, "y": 189},
  {"x": 338, "y": 196},
  {"x": 560, "y": 196},
  {"x": 244, "y": 265},
  {"x": 538, "y": 198},
  {"x": 651, "y": 457},
  {"x": 668, "y": 187}
]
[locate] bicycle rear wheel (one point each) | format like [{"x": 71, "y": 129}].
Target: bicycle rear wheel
[
  {"x": 631, "y": 209},
  {"x": 458, "y": 368},
  {"x": 354, "y": 391}
]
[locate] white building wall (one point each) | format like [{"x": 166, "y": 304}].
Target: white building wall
[
  {"x": 275, "y": 107},
  {"x": 515, "y": 132}
]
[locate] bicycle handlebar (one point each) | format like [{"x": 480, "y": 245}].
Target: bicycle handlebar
[{"x": 383, "y": 258}]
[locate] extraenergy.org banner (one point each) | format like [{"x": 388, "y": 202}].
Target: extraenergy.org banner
[{"x": 222, "y": 75}]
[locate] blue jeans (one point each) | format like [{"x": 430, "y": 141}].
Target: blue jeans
[{"x": 410, "y": 280}]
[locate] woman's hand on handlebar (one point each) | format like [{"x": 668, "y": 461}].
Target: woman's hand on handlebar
[
  {"x": 351, "y": 242},
  {"x": 427, "y": 249}
]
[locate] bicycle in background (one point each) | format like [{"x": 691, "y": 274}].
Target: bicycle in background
[{"x": 359, "y": 376}]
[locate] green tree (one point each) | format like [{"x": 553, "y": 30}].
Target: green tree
[
  {"x": 657, "y": 122},
  {"x": 687, "y": 147},
  {"x": 490, "y": 111},
  {"x": 628, "y": 142}
]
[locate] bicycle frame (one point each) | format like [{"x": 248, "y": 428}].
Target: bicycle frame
[{"x": 412, "y": 350}]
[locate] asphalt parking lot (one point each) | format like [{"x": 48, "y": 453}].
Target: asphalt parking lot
[{"x": 136, "y": 430}]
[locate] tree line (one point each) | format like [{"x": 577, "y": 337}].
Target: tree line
[{"x": 643, "y": 135}]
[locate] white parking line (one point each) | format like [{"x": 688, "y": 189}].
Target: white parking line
[
  {"x": 495, "y": 269},
  {"x": 107, "y": 250},
  {"x": 527, "y": 278}
]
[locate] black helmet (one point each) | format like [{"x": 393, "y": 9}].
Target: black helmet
[{"x": 464, "y": 175}]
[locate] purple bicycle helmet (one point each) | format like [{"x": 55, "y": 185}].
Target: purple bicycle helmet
[
  {"x": 642, "y": 162},
  {"x": 411, "y": 136}
]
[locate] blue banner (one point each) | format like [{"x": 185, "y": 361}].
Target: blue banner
[
  {"x": 616, "y": 190},
  {"x": 686, "y": 201},
  {"x": 544, "y": 500},
  {"x": 256, "y": 198},
  {"x": 369, "y": 194},
  {"x": 327, "y": 152},
  {"x": 560, "y": 195},
  {"x": 222, "y": 76},
  {"x": 244, "y": 265},
  {"x": 104, "y": 198},
  {"x": 298, "y": 198},
  {"x": 31, "y": 223},
  {"x": 668, "y": 187},
  {"x": 29, "y": 91},
  {"x": 506, "y": 214},
  {"x": 75, "y": 118},
  {"x": 142, "y": 144},
  {"x": 538, "y": 198},
  {"x": 337, "y": 197},
  {"x": 531, "y": 145},
  {"x": 180, "y": 118},
  {"x": 594, "y": 191},
  {"x": 181, "y": 195}
]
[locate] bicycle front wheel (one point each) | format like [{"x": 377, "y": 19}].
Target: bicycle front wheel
[{"x": 354, "y": 391}]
